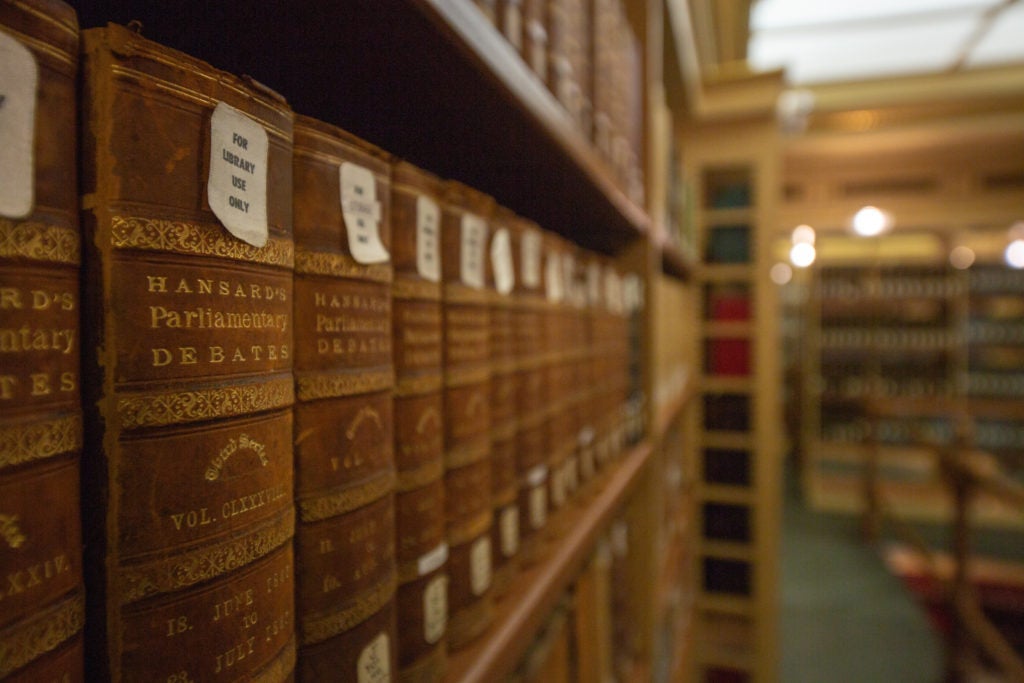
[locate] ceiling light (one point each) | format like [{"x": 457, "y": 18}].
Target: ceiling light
[{"x": 870, "y": 221}]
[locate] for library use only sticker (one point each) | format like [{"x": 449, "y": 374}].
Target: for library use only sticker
[
  {"x": 237, "y": 186},
  {"x": 19, "y": 79},
  {"x": 428, "y": 253},
  {"x": 362, "y": 211}
]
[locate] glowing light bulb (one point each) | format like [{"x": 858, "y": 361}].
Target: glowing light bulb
[
  {"x": 802, "y": 254},
  {"x": 870, "y": 221}
]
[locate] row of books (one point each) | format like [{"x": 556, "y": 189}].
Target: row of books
[
  {"x": 587, "y": 54},
  {"x": 276, "y": 404}
]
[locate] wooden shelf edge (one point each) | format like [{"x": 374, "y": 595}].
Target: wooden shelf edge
[
  {"x": 503, "y": 65},
  {"x": 536, "y": 590},
  {"x": 676, "y": 262}
]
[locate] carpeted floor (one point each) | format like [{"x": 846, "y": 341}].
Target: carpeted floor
[{"x": 844, "y": 617}]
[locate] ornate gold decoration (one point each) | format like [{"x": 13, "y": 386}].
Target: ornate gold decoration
[
  {"x": 470, "y": 529},
  {"x": 10, "y": 531},
  {"x": 411, "y": 480},
  {"x": 460, "y": 377},
  {"x": 39, "y": 241},
  {"x": 338, "y": 502},
  {"x": 416, "y": 386},
  {"x": 42, "y": 632},
  {"x": 461, "y": 294},
  {"x": 282, "y": 668},
  {"x": 205, "y": 564},
  {"x": 314, "y": 386},
  {"x": 338, "y": 265},
  {"x": 157, "y": 410},
  {"x": 468, "y": 453},
  {"x": 26, "y": 442},
  {"x": 420, "y": 290},
  {"x": 203, "y": 239},
  {"x": 362, "y": 606}
]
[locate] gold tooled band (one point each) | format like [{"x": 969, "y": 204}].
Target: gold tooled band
[
  {"x": 467, "y": 531},
  {"x": 43, "y": 631},
  {"x": 410, "y": 571},
  {"x": 339, "y": 265},
  {"x": 358, "y": 609},
  {"x": 204, "y": 564},
  {"x": 196, "y": 239},
  {"x": 468, "y": 453},
  {"x": 39, "y": 241},
  {"x": 461, "y": 294},
  {"x": 335, "y": 503},
  {"x": 314, "y": 386},
  {"x": 460, "y": 377},
  {"x": 417, "y": 386},
  {"x": 418, "y": 290},
  {"x": 281, "y": 668},
  {"x": 158, "y": 410},
  {"x": 467, "y": 623},
  {"x": 412, "y": 480},
  {"x": 30, "y": 441}
]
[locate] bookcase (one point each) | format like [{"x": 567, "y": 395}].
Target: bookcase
[
  {"x": 444, "y": 86},
  {"x": 735, "y": 418},
  {"x": 921, "y": 331}
]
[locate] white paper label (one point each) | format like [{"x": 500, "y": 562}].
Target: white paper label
[
  {"x": 620, "y": 539},
  {"x": 538, "y": 507},
  {"x": 509, "y": 522},
  {"x": 501, "y": 262},
  {"x": 19, "y": 78},
  {"x": 480, "y": 566},
  {"x": 432, "y": 560},
  {"x": 435, "y": 609},
  {"x": 613, "y": 291},
  {"x": 237, "y": 186},
  {"x": 537, "y": 475},
  {"x": 553, "y": 278},
  {"x": 362, "y": 212},
  {"x": 529, "y": 249},
  {"x": 558, "y": 488},
  {"x": 374, "y": 665},
  {"x": 428, "y": 254},
  {"x": 594, "y": 283},
  {"x": 474, "y": 240}
]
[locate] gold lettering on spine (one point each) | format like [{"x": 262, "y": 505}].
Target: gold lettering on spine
[
  {"x": 39, "y": 242},
  {"x": 157, "y": 410},
  {"x": 39, "y": 440},
  {"x": 10, "y": 532},
  {"x": 188, "y": 569},
  {"x": 319, "y": 628},
  {"x": 42, "y": 632},
  {"x": 152, "y": 234}
]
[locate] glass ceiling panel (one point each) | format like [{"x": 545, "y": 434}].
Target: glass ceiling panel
[
  {"x": 774, "y": 14},
  {"x": 853, "y": 53},
  {"x": 1004, "y": 43}
]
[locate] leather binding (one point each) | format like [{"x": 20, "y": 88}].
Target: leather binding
[
  {"x": 421, "y": 546},
  {"x": 510, "y": 21},
  {"x": 528, "y": 350},
  {"x": 605, "y": 400},
  {"x": 588, "y": 368},
  {"x": 187, "y": 376},
  {"x": 344, "y": 430},
  {"x": 466, "y": 214},
  {"x": 42, "y": 607},
  {"x": 504, "y": 482},
  {"x": 576, "y": 372},
  {"x": 617, "y": 363},
  {"x": 535, "y": 37},
  {"x": 558, "y": 368}
]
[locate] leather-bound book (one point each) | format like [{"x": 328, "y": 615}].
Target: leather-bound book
[
  {"x": 588, "y": 368},
  {"x": 421, "y": 546},
  {"x": 617, "y": 364},
  {"x": 42, "y": 608},
  {"x": 528, "y": 348},
  {"x": 344, "y": 438},
  {"x": 187, "y": 371},
  {"x": 465, "y": 224},
  {"x": 558, "y": 370},
  {"x": 504, "y": 482},
  {"x": 535, "y": 37}
]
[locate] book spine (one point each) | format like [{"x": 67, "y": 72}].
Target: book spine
[
  {"x": 421, "y": 544},
  {"x": 344, "y": 429},
  {"x": 467, "y": 410},
  {"x": 528, "y": 352},
  {"x": 557, "y": 374},
  {"x": 188, "y": 385},
  {"x": 504, "y": 482},
  {"x": 42, "y": 608}
]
